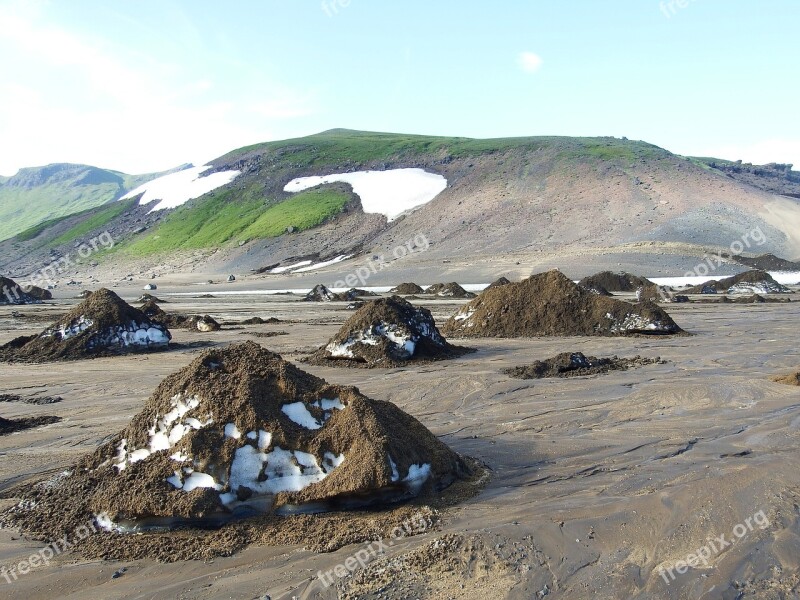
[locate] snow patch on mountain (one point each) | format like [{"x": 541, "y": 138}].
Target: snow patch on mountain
[{"x": 178, "y": 188}]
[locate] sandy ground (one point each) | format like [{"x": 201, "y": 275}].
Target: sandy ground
[{"x": 597, "y": 482}]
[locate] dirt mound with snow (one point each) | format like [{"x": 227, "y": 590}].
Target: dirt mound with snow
[
  {"x": 241, "y": 432},
  {"x": 550, "y": 304},
  {"x": 575, "y": 364},
  {"x": 101, "y": 325},
  {"x": 320, "y": 293},
  {"x": 407, "y": 289},
  {"x": 38, "y": 293},
  {"x": 204, "y": 323},
  {"x": 150, "y": 298},
  {"x": 12, "y": 293},
  {"x": 749, "y": 282},
  {"x": 606, "y": 282},
  {"x": 449, "y": 290},
  {"x": 385, "y": 333}
]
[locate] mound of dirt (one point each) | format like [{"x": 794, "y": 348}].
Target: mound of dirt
[
  {"x": 793, "y": 379},
  {"x": 241, "y": 432},
  {"x": 385, "y": 333},
  {"x": 768, "y": 262},
  {"x": 575, "y": 364},
  {"x": 101, "y": 325},
  {"x": 204, "y": 323},
  {"x": 38, "y": 400},
  {"x": 150, "y": 298},
  {"x": 13, "y": 425},
  {"x": 550, "y": 304},
  {"x": 259, "y": 321},
  {"x": 449, "y": 290},
  {"x": 615, "y": 282},
  {"x": 354, "y": 293},
  {"x": 498, "y": 283},
  {"x": 407, "y": 289},
  {"x": 320, "y": 293},
  {"x": 749, "y": 282},
  {"x": 12, "y": 293},
  {"x": 39, "y": 293}
]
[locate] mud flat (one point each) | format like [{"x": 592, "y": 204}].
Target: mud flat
[{"x": 596, "y": 483}]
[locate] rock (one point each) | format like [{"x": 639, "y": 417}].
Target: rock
[
  {"x": 150, "y": 287},
  {"x": 231, "y": 278}
]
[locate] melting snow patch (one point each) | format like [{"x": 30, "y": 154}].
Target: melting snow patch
[
  {"x": 165, "y": 433},
  {"x": 232, "y": 432},
  {"x": 417, "y": 476},
  {"x": 75, "y": 328},
  {"x": 178, "y": 188},
  {"x": 390, "y": 193},
  {"x": 298, "y": 413}
]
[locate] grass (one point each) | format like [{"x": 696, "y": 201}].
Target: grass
[
  {"x": 98, "y": 218},
  {"x": 218, "y": 219}
]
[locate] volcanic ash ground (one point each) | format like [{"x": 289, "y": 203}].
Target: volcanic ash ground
[
  {"x": 241, "y": 432},
  {"x": 550, "y": 304},
  {"x": 385, "y": 333},
  {"x": 101, "y": 325}
]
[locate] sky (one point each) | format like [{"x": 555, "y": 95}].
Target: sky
[{"x": 146, "y": 85}]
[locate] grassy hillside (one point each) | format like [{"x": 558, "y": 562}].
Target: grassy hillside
[
  {"x": 219, "y": 218},
  {"x": 46, "y": 194}
]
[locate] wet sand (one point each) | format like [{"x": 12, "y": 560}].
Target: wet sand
[{"x": 596, "y": 481}]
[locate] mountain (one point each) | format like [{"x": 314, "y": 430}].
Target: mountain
[
  {"x": 40, "y": 194},
  {"x": 510, "y": 205}
]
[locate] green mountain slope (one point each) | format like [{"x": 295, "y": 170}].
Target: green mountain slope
[{"x": 40, "y": 194}]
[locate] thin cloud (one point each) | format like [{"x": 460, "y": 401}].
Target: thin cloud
[{"x": 530, "y": 62}]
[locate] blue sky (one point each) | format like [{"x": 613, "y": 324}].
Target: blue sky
[{"x": 145, "y": 85}]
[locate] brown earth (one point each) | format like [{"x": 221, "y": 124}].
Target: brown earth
[
  {"x": 793, "y": 379},
  {"x": 407, "y": 289},
  {"x": 498, "y": 283},
  {"x": 242, "y": 388},
  {"x": 723, "y": 285},
  {"x": 366, "y": 337},
  {"x": 551, "y": 304},
  {"x": 449, "y": 290},
  {"x": 98, "y": 326},
  {"x": 13, "y": 425},
  {"x": 575, "y": 364}
]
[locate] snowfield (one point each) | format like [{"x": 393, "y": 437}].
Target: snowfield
[
  {"x": 178, "y": 188},
  {"x": 389, "y": 193}
]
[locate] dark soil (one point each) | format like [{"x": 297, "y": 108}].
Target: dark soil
[
  {"x": 371, "y": 328},
  {"x": 407, "y": 289},
  {"x": 550, "y": 304},
  {"x": 246, "y": 386},
  {"x": 723, "y": 285},
  {"x": 12, "y": 425},
  {"x": 38, "y": 400},
  {"x": 111, "y": 320},
  {"x": 615, "y": 282},
  {"x": 12, "y": 293},
  {"x": 575, "y": 364},
  {"x": 793, "y": 379},
  {"x": 498, "y": 283},
  {"x": 264, "y": 334},
  {"x": 449, "y": 290}
]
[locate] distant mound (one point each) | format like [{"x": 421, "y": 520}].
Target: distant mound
[
  {"x": 150, "y": 298},
  {"x": 498, "y": 283},
  {"x": 101, "y": 325},
  {"x": 768, "y": 262},
  {"x": 793, "y": 379},
  {"x": 550, "y": 304},
  {"x": 202, "y": 323},
  {"x": 606, "y": 282},
  {"x": 13, "y": 425},
  {"x": 241, "y": 432},
  {"x": 449, "y": 290},
  {"x": 39, "y": 293},
  {"x": 320, "y": 293},
  {"x": 385, "y": 333},
  {"x": 749, "y": 282},
  {"x": 575, "y": 364},
  {"x": 407, "y": 289},
  {"x": 12, "y": 293}
]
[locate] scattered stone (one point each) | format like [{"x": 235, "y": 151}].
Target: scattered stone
[
  {"x": 575, "y": 364},
  {"x": 385, "y": 333},
  {"x": 231, "y": 278},
  {"x": 550, "y": 304}
]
